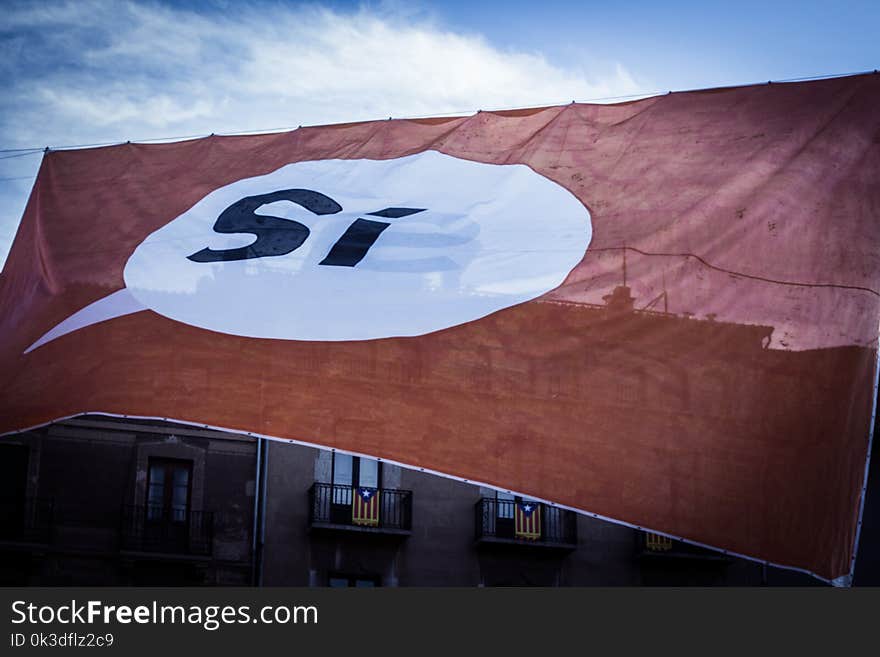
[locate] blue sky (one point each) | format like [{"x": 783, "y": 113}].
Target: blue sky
[{"x": 94, "y": 71}]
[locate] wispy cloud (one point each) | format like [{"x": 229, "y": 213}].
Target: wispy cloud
[{"x": 82, "y": 72}]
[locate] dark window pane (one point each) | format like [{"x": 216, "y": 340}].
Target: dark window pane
[
  {"x": 155, "y": 494},
  {"x": 181, "y": 476},
  {"x": 157, "y": 473}
]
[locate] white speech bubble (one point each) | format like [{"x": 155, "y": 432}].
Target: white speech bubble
[{"x": 452, "y": 241}]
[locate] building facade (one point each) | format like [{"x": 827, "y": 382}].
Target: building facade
[
  {"x": 114, "y": 501},
  {"x": 106, "y": 501}
]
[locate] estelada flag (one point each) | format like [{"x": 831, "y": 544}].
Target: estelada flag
[
  {"x": 365, "y": 506},
  {"x": 527, "y": 520},
  {"x": 661, "y": 312}
]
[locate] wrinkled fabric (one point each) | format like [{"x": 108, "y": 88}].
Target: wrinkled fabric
[{"x": 706, "y": 371}]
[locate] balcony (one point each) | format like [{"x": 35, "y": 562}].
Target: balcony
[
  {"x": 655, "y": 546},
  {"x": 26, "y": 520},
  {"x": 158, "y": 529},
  {"x": 360, "y": 509},
  {"x": 533, "y": 524}
]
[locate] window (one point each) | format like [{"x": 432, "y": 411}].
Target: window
[
  {"x": 504, "y": 504},
  {"x": 168, "y": 489},
  {"x": 356, "y": 471},
  {"x": 343, "y": 469}
]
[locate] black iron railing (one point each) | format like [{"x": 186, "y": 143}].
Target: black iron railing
[
  {"x": 28, "y": 520},
  {"x": 384, "y": 509},
  {"x": 497, "y": 519},
  {"x": 656, "y": 545},
  {"x": 161, "y": 529}
]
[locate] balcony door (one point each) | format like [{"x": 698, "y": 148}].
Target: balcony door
[
  {"x": 504, "y": 507},
  {"x": 167, "y": 512},
  {"x": 350, "y": 472}
]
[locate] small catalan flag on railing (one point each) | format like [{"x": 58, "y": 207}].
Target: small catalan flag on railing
[
  {"x": 527, "y": 519},
  {"x": 365, "y": 507},
  {"x": 657, "y": 543}
]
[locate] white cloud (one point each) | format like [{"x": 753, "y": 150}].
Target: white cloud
[{"x": 98, "y": 71}]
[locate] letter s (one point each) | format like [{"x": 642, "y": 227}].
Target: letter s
[
  {"x": 21, "y": 614},
  {"x": 275, "y": 236}
]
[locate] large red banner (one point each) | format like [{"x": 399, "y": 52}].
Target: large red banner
[{"x": 662, "y": 312}]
